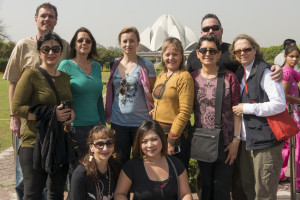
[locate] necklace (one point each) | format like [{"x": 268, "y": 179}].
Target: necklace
[{"x": 101, "y": 189}]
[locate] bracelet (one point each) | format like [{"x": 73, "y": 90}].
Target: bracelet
[{"x": 237, "y": 137}]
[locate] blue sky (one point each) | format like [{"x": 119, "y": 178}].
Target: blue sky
[{"x": 268, "y": 21}]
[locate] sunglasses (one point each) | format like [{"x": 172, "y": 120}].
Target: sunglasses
[
  {"x": 123, "y": 85},
  {"x": 238, "y": 52},
  {"x": 80, "y": 41},
  {"x": 47, "y": 49},
  {"x": 211, "y": 51},
  {"x": 100, "y": 144},
  {"x": 214, "y": 28}
]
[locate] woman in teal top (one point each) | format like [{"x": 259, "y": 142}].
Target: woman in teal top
[{"x": 86, "y": 85}]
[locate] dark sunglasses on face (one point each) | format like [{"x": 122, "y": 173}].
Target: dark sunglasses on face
[
  {"x": 123, "y": 85},
  {"x": 214, "y": 28},
  {"x": 239, "y": 51},
  {"x": 80, "y": 41},
  {"x": 100, "y": 144},
  {"x": 211, "y": 51},
  {"x": 47, "y": 49}
]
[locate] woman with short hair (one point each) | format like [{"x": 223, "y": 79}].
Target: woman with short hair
[{"x": 260, "y": 155}]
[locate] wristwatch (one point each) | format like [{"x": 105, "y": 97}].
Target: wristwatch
[{"x": 237, "y": 137}]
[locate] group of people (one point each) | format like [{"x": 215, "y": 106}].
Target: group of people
[{"x": 147, "y": 114}]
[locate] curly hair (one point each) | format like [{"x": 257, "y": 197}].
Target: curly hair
[
  {"x": 178, "y": 47},
  {"x": 93, "y": 52},
  {"x": 259, "y": 54},
  {"x": 99, "y": 132}
]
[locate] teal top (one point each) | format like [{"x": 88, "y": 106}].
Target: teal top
[{"x": 86, "y": 92}]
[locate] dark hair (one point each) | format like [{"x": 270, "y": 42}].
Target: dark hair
[
  {"x": 46, "y": 6},
  {"x": 259, "y": 54},
  {"x": 288, "y": 43},
  {"x": 93, "y": 52},
  {"x": 178, "y": 47},
  {"x": 49, "y": 35},
  {"x": 209, "y": 38},
  {"x": 291, "y": 49},
  {"x": 99, "y": 132},
  {"x": 129, "y": 29},
  {"x": 210, "y": 15},
  {"x": 144, "y": 128}
]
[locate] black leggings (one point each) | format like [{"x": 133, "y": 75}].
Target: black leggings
[{"x": 35, "y": 180}]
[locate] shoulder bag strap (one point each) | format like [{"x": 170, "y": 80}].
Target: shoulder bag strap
[
  {"x": 174, "y": 168},
  {"x": 44, "y": 72},
  {"x": 219, "y": 97}
]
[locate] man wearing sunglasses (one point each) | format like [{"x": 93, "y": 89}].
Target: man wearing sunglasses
[
  {"x": 211, "y": 25},
  {"x": 24, "y": 56}
]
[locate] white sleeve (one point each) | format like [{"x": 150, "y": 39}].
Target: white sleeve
[{"x": 276, "y": 103}]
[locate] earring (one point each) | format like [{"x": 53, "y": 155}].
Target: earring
[
  {"x": 91, "y": 156},
  {"x": 114, "y": 155}
]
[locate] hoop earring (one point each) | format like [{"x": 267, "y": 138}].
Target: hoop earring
[{"x": 91, "y": 156}]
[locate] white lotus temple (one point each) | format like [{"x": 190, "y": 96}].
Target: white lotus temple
[{"x": 164, "y": 27}]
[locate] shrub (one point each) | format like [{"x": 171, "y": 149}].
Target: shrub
[{"x": 3, "y": 63}]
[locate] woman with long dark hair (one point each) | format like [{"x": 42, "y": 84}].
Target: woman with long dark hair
[{"x": 152, "y": 174}]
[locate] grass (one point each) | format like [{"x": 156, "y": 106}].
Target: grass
[{"x": 5, "y": 133}]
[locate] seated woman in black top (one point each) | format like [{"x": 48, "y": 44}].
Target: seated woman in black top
[
  {"x": 151, "y": 173},
  {"x": 96, "y": 177}
]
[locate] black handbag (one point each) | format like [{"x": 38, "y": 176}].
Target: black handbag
[
  {"x": 72, "y": 144},
  {"x": 208, "y": 144}
]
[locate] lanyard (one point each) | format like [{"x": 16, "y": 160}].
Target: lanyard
[{"x": 246, "y": 87}]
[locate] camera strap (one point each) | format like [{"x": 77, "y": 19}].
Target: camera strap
[{"x": 45, "y": 73}]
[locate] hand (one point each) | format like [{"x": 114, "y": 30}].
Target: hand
[
  {"x": 277, "y": 74},
  {"x": 171, "y": 150},
  {"x": 72, "y": 118},
  {"x": 15, "y": 124},
  {"x": 62, "y": 115},
  {"x": 151, "y": 112},
  {"x": 238, "y": 109},
  {"x": 232, "y": 149}
]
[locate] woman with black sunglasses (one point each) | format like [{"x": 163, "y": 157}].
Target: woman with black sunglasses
[
  {"x": 173, "y": 99},
  {"x": 86, "y": 85},
  {"x": 35, "y": 101},
  {"x": 128, "y": 97},
  {"x": 216, "y": 177},
  {"x": 260, "y": 157},
  {"x": 96, "y": 176}
]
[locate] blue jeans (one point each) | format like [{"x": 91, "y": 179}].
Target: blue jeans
[{"x": 19, "y": 176}]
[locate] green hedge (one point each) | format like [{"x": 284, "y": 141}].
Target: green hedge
[{"x": 3, "y": 63}]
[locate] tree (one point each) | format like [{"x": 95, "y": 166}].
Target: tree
[{"x": 106, "y": 55}]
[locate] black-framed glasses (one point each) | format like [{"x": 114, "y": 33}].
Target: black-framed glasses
[
  {"x": 100, "y": 144},
  {"x": 214, "y": 28},
  {"x": 239, "y": 51},
  {"x": 211, "y": 51},
  {"x": 123, "y": 88},
  {"x": 47, "y": 49},
  {"x": 80, "y": 41}
]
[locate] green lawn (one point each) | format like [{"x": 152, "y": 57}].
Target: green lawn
[{"x": 5, "y": 133}]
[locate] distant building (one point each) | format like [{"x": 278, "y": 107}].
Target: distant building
[{"x": 166, "y": 26}]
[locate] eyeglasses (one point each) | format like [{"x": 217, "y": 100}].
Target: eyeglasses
[
  {"x": 100, "y": 144},
  {"x": 80, "y": 41},
  {"x": 211, "y": 51},
  {"x": 238, "y": 52},
  {"x": 123, "y": 85},
  {"x": 47, "y": 49},
  {"x": 214, "y": 28}
]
